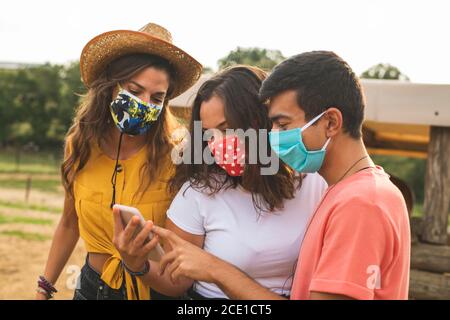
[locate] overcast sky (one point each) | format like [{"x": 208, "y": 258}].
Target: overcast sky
[{"x": 412, "y": 35}]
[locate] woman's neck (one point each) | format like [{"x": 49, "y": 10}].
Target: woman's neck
[{"x": 130, "y": 144}]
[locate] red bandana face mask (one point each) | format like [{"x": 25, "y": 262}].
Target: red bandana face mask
[{"x": 229, "y": 154}]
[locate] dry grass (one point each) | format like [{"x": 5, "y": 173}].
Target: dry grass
[{"x": 26, "y": 230}]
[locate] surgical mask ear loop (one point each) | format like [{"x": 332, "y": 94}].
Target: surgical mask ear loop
[
  {"x": 310, "y": 123},
  {"x": 326, "y": 143}
]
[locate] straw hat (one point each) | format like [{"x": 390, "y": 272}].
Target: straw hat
[{"x": 151, "y": 39}]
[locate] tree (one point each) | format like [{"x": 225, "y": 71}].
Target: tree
[
  {"x": 384, "y": 71},
  {"x": 37, "y": 104},
  {"x": 8, "y": 110},
  {"x": 71, "y": 91},
  {"x": 207, "y": 70},
  {"x": 262, "y": 58}
]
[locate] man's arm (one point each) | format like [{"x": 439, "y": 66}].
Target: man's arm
[
  {"x": 188, "y": 260},
  {"x": 327, "y": 296},
  {"x": 239, "y": 286}
]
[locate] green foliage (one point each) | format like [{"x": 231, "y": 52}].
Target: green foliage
[
  {"x": 410, "y": 170},
  {"x": 262, "y": 58},
  {"x": 384, "y": 71},
  {"x": 37, "y": 104}
]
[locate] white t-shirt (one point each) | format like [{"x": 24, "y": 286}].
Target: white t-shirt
[{"x": 263, "y": 245}]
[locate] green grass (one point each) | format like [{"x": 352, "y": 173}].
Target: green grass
[
  {"x": 4, "y": 219},
  {"x": 41, "y": 162},
  {"x": 47, "y": 185},
  {"x": 26, "y": 206},
  {"x": 27, "y": 168},
  {"x": 46, "y": 163},
  {"x": 25, "y": 235}
]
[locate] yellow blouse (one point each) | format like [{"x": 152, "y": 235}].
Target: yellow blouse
[{"x": 93, "y": 193}]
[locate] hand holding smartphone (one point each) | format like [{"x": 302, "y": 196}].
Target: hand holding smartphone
[{"x": 126, "y": 213}]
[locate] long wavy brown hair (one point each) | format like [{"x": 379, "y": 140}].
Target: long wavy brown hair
[
  {"x": 93, "y": 120},
  {"x": 238, "y": 88}
]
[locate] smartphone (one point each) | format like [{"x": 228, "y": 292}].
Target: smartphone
[{"x": 126, "y": 213}]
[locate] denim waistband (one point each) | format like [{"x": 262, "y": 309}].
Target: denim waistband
[
  {"x": 93, "y": 287},
  {"x": 93, "y": 282},
  {"x": 90, "y": 272}
]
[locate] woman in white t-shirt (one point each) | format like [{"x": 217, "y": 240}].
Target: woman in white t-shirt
[{"x": 254, "y": 221}]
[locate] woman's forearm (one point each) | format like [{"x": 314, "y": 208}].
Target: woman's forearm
[{"x": 64, "y": 240}]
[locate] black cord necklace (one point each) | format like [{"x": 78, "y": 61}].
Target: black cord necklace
[
  {"x": 114, "y": 176},
  {"x": 351, "y": 167},
  {"x": 332, "y": 187}
]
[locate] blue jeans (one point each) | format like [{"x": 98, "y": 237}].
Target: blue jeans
[{"x": 90, "y": 286}]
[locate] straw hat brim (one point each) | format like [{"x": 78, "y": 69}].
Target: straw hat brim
[{"x": 108, "y": 46}]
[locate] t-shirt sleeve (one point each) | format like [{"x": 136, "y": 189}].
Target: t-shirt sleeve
[
  {"x": 317, "y": 188},
  {"x": 357, "y": 244},
  {"x": 185, "y": 212},
  {"x": 320, "y": 186},
  {"x": 323, "y": 186}
]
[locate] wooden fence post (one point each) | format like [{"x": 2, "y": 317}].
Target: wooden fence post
[
  {"x": 28, "y": 189},
  {"x": 437, "y": 187}
]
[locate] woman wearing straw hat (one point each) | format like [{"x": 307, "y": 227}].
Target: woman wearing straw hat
[{"x": 117, "y": 151}]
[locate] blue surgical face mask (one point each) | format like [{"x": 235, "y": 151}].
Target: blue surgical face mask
[{"x": 290, "y": 148}]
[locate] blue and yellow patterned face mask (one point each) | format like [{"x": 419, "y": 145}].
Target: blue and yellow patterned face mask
[{"x": 131, "y": 115}]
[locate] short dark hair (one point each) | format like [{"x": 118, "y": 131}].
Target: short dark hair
[{"x": 322, "y": 80}]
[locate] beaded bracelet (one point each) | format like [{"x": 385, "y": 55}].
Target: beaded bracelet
[
  {"x": 140, "y": 273},
  {"x": 46, "y": 286},
  {"x": 44, "y": 292}
]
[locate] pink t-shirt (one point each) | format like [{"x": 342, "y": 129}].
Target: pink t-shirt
[{"x": 358, "y": 241}]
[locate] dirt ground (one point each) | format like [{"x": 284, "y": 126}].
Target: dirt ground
[{"x": 25, "y": 246}]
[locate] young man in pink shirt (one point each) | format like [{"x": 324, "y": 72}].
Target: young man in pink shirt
[{"x": 357, "y": 245}]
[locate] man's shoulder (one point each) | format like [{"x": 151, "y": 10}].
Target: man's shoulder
[{"x": 371, "y": 188}]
